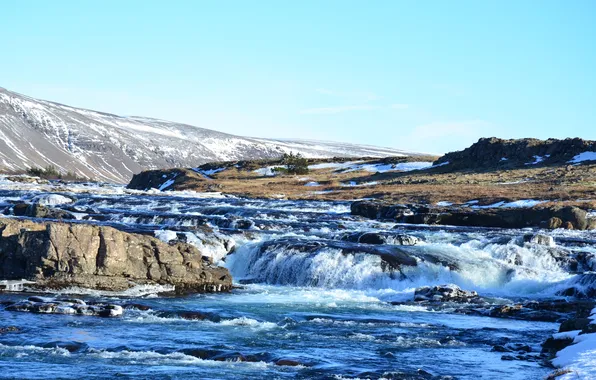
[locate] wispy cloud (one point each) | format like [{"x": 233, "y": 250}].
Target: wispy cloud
[
  {"x": 468, "y": 129},
  {"x": 360, "y": 107},
  {"x": 338, "y": 109},
  {"x": 365, "y": 96},
  {"x": 399, "y": 106}
]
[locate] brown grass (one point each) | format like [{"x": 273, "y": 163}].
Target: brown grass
[{"x": 574, "y": 185}]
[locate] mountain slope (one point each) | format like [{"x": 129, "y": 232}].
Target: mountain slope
[{"x": 37, "y": 133}]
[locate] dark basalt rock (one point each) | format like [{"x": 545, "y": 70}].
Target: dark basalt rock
[
  {"x": 571, "y": 217},
  {"x": 583, "y": 287},
  {"x": 512, "y": 347},
  {"x": 288, "y": 363},
  {"x": 190, "y": 315},
  {"x": 68, "y": 346},
  {"x": 39, "y": 211},
  {"x": 9, "y": 329},
  {"x": 54, "y": 306},
  {"x": 136, "y": 306},
  {"x": 487, "y": 153},
  {"x": 379, "y": 238},
  {"x": 445, "y": 293}
]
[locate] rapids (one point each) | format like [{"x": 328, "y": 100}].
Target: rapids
[{"x": 309, "y": 294}]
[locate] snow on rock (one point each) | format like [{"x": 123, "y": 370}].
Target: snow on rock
[
  {"x": 210, "y": 172},
  {"x": 267, "y": 171},
  {"x": 444, "y": 204},
  {"x": 523, "y": 203},
  {"x": 334, "y": 165},
  {"x": 51, "y": 200},
  {"x": 585, "y": 156},
  {"x": 538, "y": 159},
  {"x": 578, "y": 358},
  {"x": 166, "y": 184},
  {"x": 312, "y": 183},
  {"x": 353, "y": 166}
]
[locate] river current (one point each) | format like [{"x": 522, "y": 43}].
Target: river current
[{"x": 308, "y": 295}]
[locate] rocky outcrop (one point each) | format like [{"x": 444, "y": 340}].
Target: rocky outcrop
[
  {"x": 168, "y": 179},
  {"x": 569, "y": 217},
  {"x": 59, "y": 255},
  {"x": 580, "y": 323},
  {"x": 581, "y": 286},
  {"x": 494, "y": 153}
]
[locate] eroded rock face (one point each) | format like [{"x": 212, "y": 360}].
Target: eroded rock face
[
  {"x": 569, "y": 217},
  {"x": 59, "y": 255},
  {"x": 494, "y": 153}
]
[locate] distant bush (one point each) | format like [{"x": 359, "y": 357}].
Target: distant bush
[
  {"x": 295, "y": 163},
  {"x": 50, "y": 172}
]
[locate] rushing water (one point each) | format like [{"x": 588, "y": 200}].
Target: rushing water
[{"x": 310, "y": 293}]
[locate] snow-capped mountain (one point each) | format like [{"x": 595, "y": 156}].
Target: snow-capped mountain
[{"x": 98, "y": 145}]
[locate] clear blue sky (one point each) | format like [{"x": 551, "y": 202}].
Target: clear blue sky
[{"x": 424, "y": 75}]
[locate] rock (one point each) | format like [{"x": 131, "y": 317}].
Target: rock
[
  {"x": 571, "y": 217},
  {"x": 551, "y": 346},
  {"x": 169, "y": 179},
  {"x": 40, "y": 211},
  {"x": 554, "y": 223},
  {"x": 487, "y": 153},
  {"x": 372, "y": 238},
  {"x": 190, "y": 315},
  {"x": 53, "y": 306},
  {"x": 9, "y": 329},
  {"x": 583, "y": 286},
  {"x": 137, "y": 306},
  {"x": 288, "y": 363},
  {"x": 444, "y": 293},
  {"x": 52, "y": 199},
  {"x": 574, "y": 324},
  {"x": 540, "y": 239},
  {"x": 68, "y": 346},
  {"x": 379, "y": 238},
  {"x": 58, "y": 255},
  {"x": 379, "y": 210}
]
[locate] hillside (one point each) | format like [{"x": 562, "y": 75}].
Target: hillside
[{"x": 102, "y": 146}]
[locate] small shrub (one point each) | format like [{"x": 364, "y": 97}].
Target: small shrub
[
  {"x": 50, "y": 172},
  {"x": 295, "y": 163}
]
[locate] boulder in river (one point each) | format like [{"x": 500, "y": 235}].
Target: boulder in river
[
  {"x": 444, "y": 293},
  {"x": 37, "y": 210},
  {"x": 59, "y": 255}
]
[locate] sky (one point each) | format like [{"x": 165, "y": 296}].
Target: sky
[{"x": 429, "y": 76}]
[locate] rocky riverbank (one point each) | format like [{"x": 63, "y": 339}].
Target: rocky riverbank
[
  {"x": 62, "y": 255},
  {"x": 551, "y": 217}
]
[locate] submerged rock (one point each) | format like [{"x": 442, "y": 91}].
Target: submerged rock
[
  {"x": 9, "y": 329},
  {"x": 445, "y": 293},
  {"x": 540, "y": 239},
  {"x": 54, "y": 306},
  {"x": 58, "y": 255}
]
